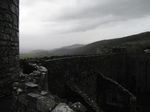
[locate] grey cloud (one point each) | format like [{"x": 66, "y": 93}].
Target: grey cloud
[
  {"x": 119, "y": 8},
  {"x": 31, "y": 2},
  {"x": 57, "y": 22},
  {"x": 93, "y": 11}
]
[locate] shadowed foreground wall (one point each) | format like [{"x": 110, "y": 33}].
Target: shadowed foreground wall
[
  {"x": 82, "y": 74},
  {"x": 9, "y": 44},
  {"x": 86, "y": 84},
  {"x": 130, "y": 70}
]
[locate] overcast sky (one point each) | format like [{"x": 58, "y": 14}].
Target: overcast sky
[{"x": 48, "y": 24}]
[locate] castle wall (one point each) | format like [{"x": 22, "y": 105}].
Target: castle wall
[
  {"x": 82, "y": 73},
  {"x": 9, "y": 44},
  {"x": 89, "y": 87},
  {"x": 130, "y": 70}
]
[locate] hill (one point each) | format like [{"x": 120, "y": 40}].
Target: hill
[
  {"x": 59, "y": 51},
  {"x": 133, "y": 44},
  {"x": 65, "y": 50}
]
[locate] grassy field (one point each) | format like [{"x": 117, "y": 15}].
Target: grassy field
[{"x": 22, "y": 56}]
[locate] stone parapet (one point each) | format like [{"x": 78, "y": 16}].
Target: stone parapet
[{"x": 79, "y": 78}]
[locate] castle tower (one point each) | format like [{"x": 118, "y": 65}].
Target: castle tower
[{"x": 9, "y": 44}]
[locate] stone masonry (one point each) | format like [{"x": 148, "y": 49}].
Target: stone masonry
[
  {"x": 31, "y": 94},
  {"x": 9, "y": 44},
  {"x": 79, "y": 79}
]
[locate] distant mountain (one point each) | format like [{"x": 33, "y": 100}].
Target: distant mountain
[
  {"x": 66, "y": 49},
  {"x": 59, "y": 51},
  {"x": 133, "y": 44}
]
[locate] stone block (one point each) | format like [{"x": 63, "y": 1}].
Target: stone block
[
  {"x": 15, "y": 21},
  {"x": 32, "y": 100},
  {"x": 23, "y": 99},
  {"x": 3, "y": 5},
  {"x": 16, "y": 2},
  {"x": 62, "y": 107},
  {"x": 45, "y": 104},
  {"x": 8, "y": 17},
  {"x": 31, "y": 87},
  {"x": 44, "y": 93}
]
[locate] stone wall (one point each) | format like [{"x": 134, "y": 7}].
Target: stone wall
[
  {"x": 9, "y": 44},
  {"x": 85, "y": 84},
  {"x": 130, "y": 70},
  {"x": 31, "y": 93}
]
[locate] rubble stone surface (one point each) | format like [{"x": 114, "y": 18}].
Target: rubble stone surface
[
  {"x": 107, "y": 96},
  {"x": 62, "y": 107}
]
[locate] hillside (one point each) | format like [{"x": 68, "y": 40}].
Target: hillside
[
  {"x": 65, "y": 50},
  {"x": 59, "y": 51},
  {"x": 133, "y": 44}
]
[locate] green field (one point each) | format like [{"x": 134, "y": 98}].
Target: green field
[{"x": 22, "y": 56}]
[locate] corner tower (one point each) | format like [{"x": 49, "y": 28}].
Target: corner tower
[{"x": 9, "y": 44}]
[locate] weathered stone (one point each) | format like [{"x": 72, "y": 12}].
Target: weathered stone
[
  {"x": 78, "y": 107},
  {"x": 62, "y": 107},
  {"x": 19, "y": 91},
  {"x": 4, "y": 5},
  {"x": 36, "y": 73},
  {"x": 42, "y": 69},
  {"x": 14, "y": 9},
  {"x": 44, "y": 92},
  {"x": 83, "y": 72},
  {"x": 15, "y": 22},
  {"x": 31, "y": 87},
  {"x": 33, "y": 96},
  {"x": 8, "y": 17},
  {"x": 45, "y": 104},
  {"x": 23, "y": 99},
  {"x": 147, "y": 51},
  {"x": 16, "y": 2},
  {"x": 10, "y": 65},
  {"x": 1, "y": 30},
  {"x": 32, "y": 100},
  {"x": 1, "y": 17}
]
